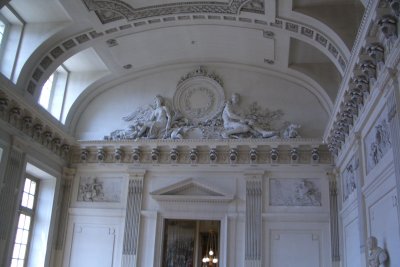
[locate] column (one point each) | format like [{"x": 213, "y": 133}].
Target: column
[
  {"x": 392, "y": 104},
  {"x": 132, "y": 220},
  {"x": 334, "y": 219},
  {"x": 9, "y": 200},
  {"x": 253, "y": 221},
  {"x": 63, "y": 202},
  {"x": 359, "y": 180}
]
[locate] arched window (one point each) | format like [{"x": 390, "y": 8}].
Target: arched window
[{"x": 52, "y": 96}]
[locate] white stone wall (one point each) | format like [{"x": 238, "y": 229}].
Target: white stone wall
[{"x": 298, "y": 233}]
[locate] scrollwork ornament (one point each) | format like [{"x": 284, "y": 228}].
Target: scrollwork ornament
[
  {"x": 118, "y": 153},
  {"x": 213, "y": 155},
  {"x": 101, "y": 155},
  {"x": 253, "y": 155},
  {"x": 395, "y": 6},
  {"x": 274, "y": 155},
  {"x": 388, "y": 26}
]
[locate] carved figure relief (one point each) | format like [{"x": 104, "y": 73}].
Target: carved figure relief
[
  {"x": 199, "y": 110},
  {"x": 153, "y": 122},
  {"x": 377, "y": 143},
  {"x": 294, "y": 192},
  {"x": 348, "y": 179},
  {"x": 94, "y": 189}
]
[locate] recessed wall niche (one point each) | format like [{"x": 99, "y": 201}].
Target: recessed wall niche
[{"x": 191, "y": 243}]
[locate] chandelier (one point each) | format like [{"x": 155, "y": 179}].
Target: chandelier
[{"x": 211, "y": 256}]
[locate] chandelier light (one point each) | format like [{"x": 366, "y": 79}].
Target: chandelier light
[{"x": 211, "y": 256}]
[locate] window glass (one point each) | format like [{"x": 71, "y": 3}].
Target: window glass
[
  {"x": 21, "y": 241},
  {"x": 53, "y": 92},
  {"x": 2, "y": 30},
  {"x": 46, "y": 92}
]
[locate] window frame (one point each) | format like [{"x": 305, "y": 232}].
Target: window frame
[{"x": 27, "y": 212}]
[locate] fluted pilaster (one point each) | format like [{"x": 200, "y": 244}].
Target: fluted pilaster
[
  {"x": 8, "y": 197},
  {"x": 253, "y": 220},
  {"x": 359, "y": 179},
  {"x": 132, "y": 220},
  {"x": 334, "y": 217},
  {"x": 63, "y": 205}
]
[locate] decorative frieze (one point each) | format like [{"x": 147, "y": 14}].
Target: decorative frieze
[
  {"x": 374, "y": 56},
  {"x": 22, "y": 119},
  {"x": 241, "y": 152}
]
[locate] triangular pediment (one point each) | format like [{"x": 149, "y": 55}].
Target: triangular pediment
[{"x": 190, "y": 189}]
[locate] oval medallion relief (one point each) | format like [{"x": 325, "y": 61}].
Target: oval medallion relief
[{"x": 199, "y": 98}]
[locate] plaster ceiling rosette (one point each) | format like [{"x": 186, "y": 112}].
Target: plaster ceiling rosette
[{"x": 199, "y": 96}]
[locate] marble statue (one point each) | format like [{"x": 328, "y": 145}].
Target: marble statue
[
  {"x": 235, "y": 124},
  {"x": 156, "y": 125},
  {"x": 376, "y": 256}
]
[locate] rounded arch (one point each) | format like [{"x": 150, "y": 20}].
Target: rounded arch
[
  {"x": 53, "y": 53},
  {"x": 107, "y": 83}
]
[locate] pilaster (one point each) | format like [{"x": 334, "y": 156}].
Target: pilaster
[
  {"x": 334, "y": 219},
  {"x": 8, "y": 200},
  {"x": 253, "y": 222},
  {"x": 132, "y": 219},
  {"x": 359, "y": 179},
  {"x": 63, "y": 202},
  {"x": 392, "y": 103}
]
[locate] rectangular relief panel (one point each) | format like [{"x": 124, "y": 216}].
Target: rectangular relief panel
[
  {"x": 377, "y": 142},
  {"x": 349, "y": 179},
  {"x": 99, "y": 189},
  {"x": 295, "y": 192}
]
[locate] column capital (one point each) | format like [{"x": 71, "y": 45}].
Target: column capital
[
  {"x": 136, "y": 174},
  {"x": 254, "y": 174},
  {"x": 68, "y": 173}
]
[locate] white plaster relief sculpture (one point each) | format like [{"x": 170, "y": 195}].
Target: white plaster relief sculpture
[
  {"x": 235, "y": 124},
  {"x": 153, "y": 124},
  {"x": 291, "y": 131},
  {"x": 377, "y": 143},
  {"x": 295, "y": 192},
  {"x": 349, "y": 183},
  {"x": 99, "y": 189},
  {"x": 199, "y": 111},
  {"x": 377, "y": 256}
]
